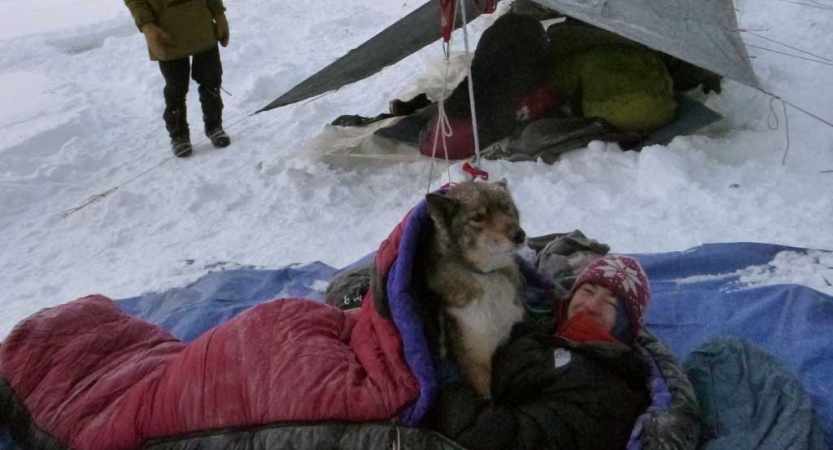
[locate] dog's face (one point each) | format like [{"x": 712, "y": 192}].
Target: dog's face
[{"x": 479, "y": 223}]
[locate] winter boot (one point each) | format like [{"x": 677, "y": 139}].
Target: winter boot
[
  {"x": 176, "y": 121},
  {"x": 212, "y": 116},
  {"x": 219, "y": 138},
  {"x": 181, "y": 146}
]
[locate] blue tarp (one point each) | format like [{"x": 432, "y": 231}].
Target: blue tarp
[
  {"x": 218, "y": 296},
  {"x": 696, "y": 296}
]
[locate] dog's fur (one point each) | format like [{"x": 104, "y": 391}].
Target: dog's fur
[{"x": 467, "y": 273}]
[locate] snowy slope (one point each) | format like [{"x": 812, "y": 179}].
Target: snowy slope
[{"x": 82, "y": 114}]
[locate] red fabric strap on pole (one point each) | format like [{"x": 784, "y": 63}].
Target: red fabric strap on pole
[{"x": 447, "y": 11}]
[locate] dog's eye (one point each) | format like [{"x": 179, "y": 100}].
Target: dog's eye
[{"x": 478, "y": 218}]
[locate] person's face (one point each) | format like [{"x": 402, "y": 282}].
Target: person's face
[{"x": 597, "y": 302}]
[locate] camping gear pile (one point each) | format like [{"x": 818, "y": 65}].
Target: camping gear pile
[
  {"x": 611, "y": 71},
  {"x": 544, "y": 93}
]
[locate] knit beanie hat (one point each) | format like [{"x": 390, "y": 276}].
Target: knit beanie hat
[{"x": 628, "y": 282}]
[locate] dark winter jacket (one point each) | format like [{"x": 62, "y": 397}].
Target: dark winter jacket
[
  {"x": 673, "y": 420},
  {"x": 190, "y": 23},
  {"x": 550, "y": 393}
]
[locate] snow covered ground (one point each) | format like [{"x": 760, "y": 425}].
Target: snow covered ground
[{"x": 82, "y": 112}]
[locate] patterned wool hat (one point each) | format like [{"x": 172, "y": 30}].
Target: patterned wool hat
[{"x": 625, "y": 277}]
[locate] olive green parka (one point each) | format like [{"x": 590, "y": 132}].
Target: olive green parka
[{"x": 190, "y": 23}]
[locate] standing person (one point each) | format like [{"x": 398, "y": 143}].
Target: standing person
[
  {"x": 579, "y": 384},
  {"x": 183, "y": 35}
]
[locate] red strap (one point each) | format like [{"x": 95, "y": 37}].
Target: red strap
[
  {"x": 447, "y": 11},
  {"x": 475, "y": 172}
]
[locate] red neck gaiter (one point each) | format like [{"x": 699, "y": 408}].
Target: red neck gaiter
[{"x": 581, "y": 328}]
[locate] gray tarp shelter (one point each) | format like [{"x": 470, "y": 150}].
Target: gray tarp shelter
[{"x": 702, "y": 32}]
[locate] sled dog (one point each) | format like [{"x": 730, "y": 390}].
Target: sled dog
[{"x": 467, "y": 272}]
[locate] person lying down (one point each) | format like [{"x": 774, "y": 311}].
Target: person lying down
[{"x": 573, "y": 382}]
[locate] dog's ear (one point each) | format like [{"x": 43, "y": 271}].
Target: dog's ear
[
  {"x": 503, "y": 183},
  {"x": 441, "y": 206}
]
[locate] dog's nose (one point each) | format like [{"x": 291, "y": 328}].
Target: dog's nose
[{"x": 519, "y": 236}]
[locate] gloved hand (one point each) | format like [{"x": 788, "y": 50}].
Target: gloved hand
[
  {"x": 221, "y": 28},
  {"x": 158, "y": 41}
]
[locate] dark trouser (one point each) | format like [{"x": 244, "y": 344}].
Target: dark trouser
[{"x": 207, "y": 70}]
